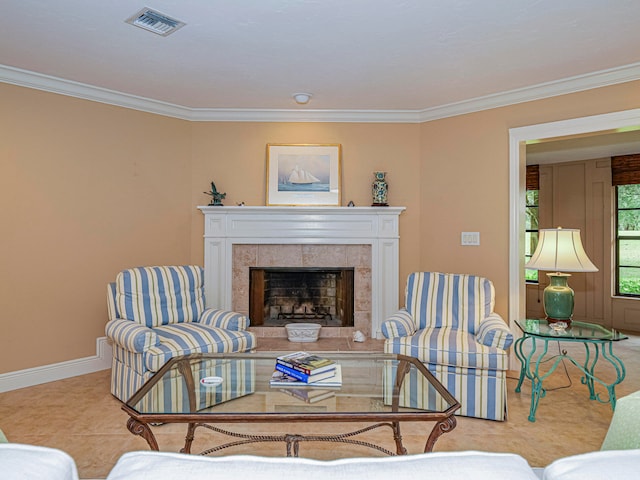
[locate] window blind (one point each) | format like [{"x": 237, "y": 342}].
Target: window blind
[
  {"x": 533, "y": 177},
  {"x": 625, "y": 169}
]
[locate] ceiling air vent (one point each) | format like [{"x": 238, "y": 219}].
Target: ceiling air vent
[{"x": 155, "y": 22}]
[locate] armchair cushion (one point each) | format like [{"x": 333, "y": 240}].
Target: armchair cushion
[
  {"x": 450, "y": 347},
  {"x": 154, "y": 296},
  {"x": 224, "y": 319},
  {"x": 187, "y": 338},
  {"x": 437, "y": 300},
  {"x": 494, "y": 332},
  {"x": 131, "y": 336},
  {"x": 400, "y": 324}
]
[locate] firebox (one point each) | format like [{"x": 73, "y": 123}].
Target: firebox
[{"x": 279, "y": 296}]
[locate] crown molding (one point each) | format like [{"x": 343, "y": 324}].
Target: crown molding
[
  {"x": 292, "y": 115},
  {"x": 565, "y": 86},
  {"x": 579, "y": 83},
  {"x": 47, "y": 83}
]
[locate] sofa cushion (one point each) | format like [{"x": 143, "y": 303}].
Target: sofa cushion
[
  {"x": 618, "y": 464},
  {"x": 624, "y": 429},
  {"x": 187, "y": 338},
  {"x": 450, "y": 347},
  {"x": 440, "y": 466},
  {"x": 19, "y": 462},
  {"x": 163, "y": 295}
]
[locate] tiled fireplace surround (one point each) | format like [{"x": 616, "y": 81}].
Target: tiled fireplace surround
[
  {"x": 357, "y": 256},
  {"x": 365, "y": 238}
]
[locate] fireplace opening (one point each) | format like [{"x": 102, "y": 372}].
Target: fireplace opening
[{"x": 279, "y": 296}]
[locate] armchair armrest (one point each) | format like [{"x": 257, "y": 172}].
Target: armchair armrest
[
  {"x": 224, "y": 319},
  {"x": 494, "y": 332},
  {"x": 399, "y": 324},
  {"x": 130, "y": 335}
]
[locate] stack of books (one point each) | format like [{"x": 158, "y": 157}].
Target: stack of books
[{"x": 302, "y": 368}]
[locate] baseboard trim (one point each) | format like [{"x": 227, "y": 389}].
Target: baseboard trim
[{"x": 58, "y": 371}]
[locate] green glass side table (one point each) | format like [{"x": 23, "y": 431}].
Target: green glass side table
[{"x": 597, "y": 340}]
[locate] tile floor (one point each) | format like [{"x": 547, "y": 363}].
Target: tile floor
[{"x": 80, "y": 416}]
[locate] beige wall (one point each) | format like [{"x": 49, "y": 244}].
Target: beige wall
[
  {"x": 85, "y": 190},
  {"x": 465, "y": 184},
  {"x": 88, "y": 189}
]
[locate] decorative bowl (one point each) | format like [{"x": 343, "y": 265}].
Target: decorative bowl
[
  {"x": 558, "y": 327},
  {"x": 303, "y": 332}
]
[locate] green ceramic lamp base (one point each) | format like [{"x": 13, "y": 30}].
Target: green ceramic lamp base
[{"x": 558, "y": 298}]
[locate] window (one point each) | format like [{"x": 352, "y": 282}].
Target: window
[
  {"x": 625, "y": 177},
  {"x": 532, "y": 219},
  {"x": 628, "y": 240},
  {"x": 531, "y": 232}
]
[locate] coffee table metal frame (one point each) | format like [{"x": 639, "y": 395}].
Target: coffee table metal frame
[
  {"x": 141, "y": 423},
  {"x": 598, "y": 342}
]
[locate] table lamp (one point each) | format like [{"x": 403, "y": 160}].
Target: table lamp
[{"x": 559, "y": 250}]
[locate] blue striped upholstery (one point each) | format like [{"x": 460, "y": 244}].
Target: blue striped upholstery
[
  {"x": 187, "y": 338},
  {"x": 450, "y": 346},
  {"x": 456, "y": 301},
  {"x": 154, "y": 296},
  {"x": 157, "y": 313},
  {"x": 449, "y": 324},
  {"x": 481, "y": 395},
  {"x": 172, "y": 395},
  {"x": 224, "y": 319}
]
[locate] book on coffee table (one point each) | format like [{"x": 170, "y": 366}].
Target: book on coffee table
[
  {"x": 282, "y": 379},
  {"x": 307, "y": 363}
]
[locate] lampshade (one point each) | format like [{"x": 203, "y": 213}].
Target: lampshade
[{"x": 560, "y": 250}]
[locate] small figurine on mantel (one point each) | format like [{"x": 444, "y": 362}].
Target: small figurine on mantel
[{"x": 216, "y": 196}]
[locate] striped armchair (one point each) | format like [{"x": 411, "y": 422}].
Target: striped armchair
[
  {"x": 449, "y": 324},
  {"x": 156, "y": 313}
]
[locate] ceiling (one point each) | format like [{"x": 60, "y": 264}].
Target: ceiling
[
  {"x": 583, "y": 147},
  {"x": 352, "y": 55}
]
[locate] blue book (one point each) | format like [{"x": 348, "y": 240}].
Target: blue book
[
  {"x": 281, "y": 379},
  {"x": 303, "y": 377}
]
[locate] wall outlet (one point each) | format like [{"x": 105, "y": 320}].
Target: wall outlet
[{"x": 470, "y": 238}]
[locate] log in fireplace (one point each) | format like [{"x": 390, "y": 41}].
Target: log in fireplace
[{"x": 283, "y": 295}]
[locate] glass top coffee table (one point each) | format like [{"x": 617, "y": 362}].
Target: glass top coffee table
[
  {"x": 598, "y": 343},
  {"x": 207, "y": 390}
]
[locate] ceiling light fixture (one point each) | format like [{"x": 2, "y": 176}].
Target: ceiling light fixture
[
  {"x": 302, "y": 98},
  {"x": 155, "y": 22}
]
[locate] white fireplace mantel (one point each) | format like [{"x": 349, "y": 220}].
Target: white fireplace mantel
[{"x": 375, "y": 226}]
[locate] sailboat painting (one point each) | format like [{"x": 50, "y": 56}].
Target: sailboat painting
[{"x": 303, "y": 174}]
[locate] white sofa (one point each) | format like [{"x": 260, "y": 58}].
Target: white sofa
[
  {"x": 21, "y": 462},
  {"x": 33, "y": 462},
  {"x": 616, "y": 464}
]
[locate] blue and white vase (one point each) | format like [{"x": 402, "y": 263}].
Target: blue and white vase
[{"x": 379, "y": 189}]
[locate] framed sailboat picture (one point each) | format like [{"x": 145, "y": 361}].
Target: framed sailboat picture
[{"x": 304, "y": 175}]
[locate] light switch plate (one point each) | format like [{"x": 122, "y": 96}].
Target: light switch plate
[{"x": 470, "y": 238}]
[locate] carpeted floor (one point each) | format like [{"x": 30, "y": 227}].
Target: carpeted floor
[{"x": 79, "y": 416}]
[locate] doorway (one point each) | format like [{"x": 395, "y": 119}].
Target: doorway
[{"x": 518, "y": 138}]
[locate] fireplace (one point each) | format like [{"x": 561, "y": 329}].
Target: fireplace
[
  {"x": 363, "y": 238},
  {"x": 323, "y": 295}
]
